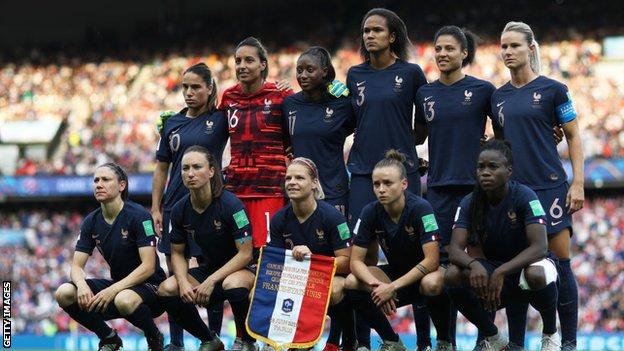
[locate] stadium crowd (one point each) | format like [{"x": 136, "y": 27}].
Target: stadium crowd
[
  {"x": 110, "y": 107},
  {"x": 42, "y": 263}
]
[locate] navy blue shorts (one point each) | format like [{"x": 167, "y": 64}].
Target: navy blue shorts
[
  {"x": 361, "y": 193},
  {"x": 147, "y": 292},
  {"x": 511, "y": 290},
  {"x": 202, "y": 272},
  {"x": 445, "y": 200},
  {"x": 340, "y": 204},
  {"x": 407, "y": 295},
  {"x": 164, "y": 244},
  {"x": 557, "y": 216}
]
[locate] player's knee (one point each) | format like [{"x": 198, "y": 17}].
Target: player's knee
[
  {"x": 351, "y": 282},
  {"x": 65, "y": 294},
  {"x": 432, "y": 284},
  {"x": 337, "y": 292},
  {"x": 169, "y": 287},
  {"x": 535, "y": 277},
  {"x": 453, "y": 276},
  {"x": 127, "y": 301},
  {"x": 238, "y": 279}
]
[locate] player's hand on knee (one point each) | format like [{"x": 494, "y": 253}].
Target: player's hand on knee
[
  {"x": 299, "y": 252},
  {"x": 101, "y": 300},
  {"x": 495, "y": 286},
  {"x": 187, "y": 293},
  {"x": 203, "y": 292},
  {"x": 84, "y": 295},
  {"x": 479, "y": 279},
  {"x": 388, "y": 307},
  {"x": 382, "y": 293}
]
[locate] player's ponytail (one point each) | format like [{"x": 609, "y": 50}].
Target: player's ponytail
[
  {"x": 122, "y": 176},
  {"x": 394, "y": 158},
  {"x": 465, "y": 38},
  {"x": 479, "y": 204},
  {"x": 216, "y": 182},
  {"x": 525, "y": 29},
  {"x": 202, "y": 70},
  {"x": 319, "y": 194}
]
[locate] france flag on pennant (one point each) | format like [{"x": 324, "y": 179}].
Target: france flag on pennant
[{"x": 290, "y": 298}]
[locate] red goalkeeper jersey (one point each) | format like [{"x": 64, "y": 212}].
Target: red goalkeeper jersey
[{"x": 257, "y": 140}]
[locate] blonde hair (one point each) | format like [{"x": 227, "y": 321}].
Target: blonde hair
[
  {"x": 313, "y": 172},
  {"x": 525, "y": 29}
]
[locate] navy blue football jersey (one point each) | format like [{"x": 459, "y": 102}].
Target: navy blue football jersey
[
  {"x": 505, "y": 223},
  {"x": 324, "y": 232},
  {"x": 455, "y": 116},
  {"x": 119, "y": 242},
  {"x": 209, "y": 130},
  {"x": 527, "y": 116},
  {"x": 401, "y": 242},
  {"x": 383, "y": 101},
  {"x": 216, "y": 230},
  {"x": 318, "y": 132}
]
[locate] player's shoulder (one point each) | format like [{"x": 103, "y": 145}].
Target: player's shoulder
[
  {"x": 329, "y": 211},
  {"x": 135, "y": 210},
  {"x": 180, "y": 205},
  {"x": 89, "y": 219},
  {"x": 429, "y": 87},
  {"x": 234, "y": 89},
  {"x": 479, "y": 83},
  {"x": 507, "y": 87},
  {"x": 549, "y": 83},
  {"x": 417, "y": 203},
  {"x": 359, "y": 68},
  {"x": 294, "y": 99},
  {"x": 466, "y": 201},
  {"x": 280, "y": 215},
  {"x": 521, "y": 191},
  {"x": 230, "y": 201}
]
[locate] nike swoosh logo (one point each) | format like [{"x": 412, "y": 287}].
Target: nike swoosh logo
[
  {"x": 287, "y": 235},
  {"x": 500, "y": 104},
  {"x": 566, "y": 303},
  {"x": 555, "y": 223},
  {"x": 292, "y": 112},
  {"x": 360, "y": 83},
  {"x": 428, "y": 97},
  {"x": 378, "y": 231},
  {"x": 232, "y": 104}
]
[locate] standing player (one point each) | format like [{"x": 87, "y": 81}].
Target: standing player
[
  {"x": 123, "y": 233},
  {"x": 197, "y": 124},
  {"x": 526, "y": 109},
  {"x": 318, "y": 124},
  {"x": 309, "y": 226},
  {"x": 383, "y": 91},
  {"x": 257, "y": 138},
  {"x": 405, "y": 227},
  {"x": 452, "y": 113},
  {"x": 217, "y": 221},
  {"x": 504, "y": 220}
]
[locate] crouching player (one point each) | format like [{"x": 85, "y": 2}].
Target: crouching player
[
  {"x": 505, "y": 221},
  {"x": 406, "y": 229},
  {"x": 124, "y": 234},
  {"x": 218, "y": 222},
  {"x": 308, "y": 225}
]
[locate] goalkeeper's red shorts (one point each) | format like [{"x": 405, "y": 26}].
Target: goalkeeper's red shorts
[{"x": 261, "y": 210}]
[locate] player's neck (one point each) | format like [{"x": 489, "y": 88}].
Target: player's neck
[
  {"x": 495, "y": 196},
  {"x": 382, "y": 60},
  {"x": 395, "y": 208},
  {"x": 201, "y": 198},
  {"x": 111, "y": 209},
  {"x": 522, "y": 76},
  {"x": 450, "y": 78},
  {"x": 315, "y": 95},
  {"x": 192, "y": 113},
  {"x": 304, "y": 208},
  {"x": 252, "y": 87}
]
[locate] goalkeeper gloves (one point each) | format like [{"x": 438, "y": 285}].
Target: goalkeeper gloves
[{"x": 164, "y": 116}]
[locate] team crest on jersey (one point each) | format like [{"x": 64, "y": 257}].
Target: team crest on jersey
[
  {"x": 513, "y": 218},
  {"x": 209, "y": 127},
  {"x": 467, "y": 97},
  {"x": 124, "y": 233},
  {"x": 398, "y": 84},
  {"x": 191, "y": 232},
  {"x": 217, "y": 225},
  {"x": 267, "y": 106},
  {"x": 409, "y": 230},
  {"x": 329, "y": 113},
  {"x": 537, "y": 100},
  {"x": 320, "y": 234}
]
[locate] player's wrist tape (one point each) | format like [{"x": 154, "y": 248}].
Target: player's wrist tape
[{"x": 422, "y": 269}]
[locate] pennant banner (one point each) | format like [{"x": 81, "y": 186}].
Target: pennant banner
[{"x": 290, "y": 298}]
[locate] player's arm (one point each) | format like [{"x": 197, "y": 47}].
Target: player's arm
[
  {"x": 457, "y": 248},
  {"x": 359, "y": 268},
  {"x": 179, "y": 262},
  {"x": 537, "y": 250},
  {"x": 576, "y": 195},
  {"x": 140, "y": 274},
  {"x": 236, "y": 263},
  {"x": 343, "y": 257},
  {"x": 420, "y": 133},
  {"x": 429, "y": 264},
  {"x": 158, "y": 188},
  {"x": 77, "y": 273}
]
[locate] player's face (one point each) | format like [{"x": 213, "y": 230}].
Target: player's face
[
  {"x": 515, "y": 50},
  {"x": 106, "y": 185},
  {"x": 493, "y": 171},
  {"x": 388, "y": 185},
  {"x": 448, "y": 53},
  {"x": 248, "y": 65},
  {"x": 195, "y": 90},
  {"x": 196, "y": 172},
  {"x": 376, "y": 35},
  {"x": 299, "y": 184},
  {"x": 310, "y": 75}
]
